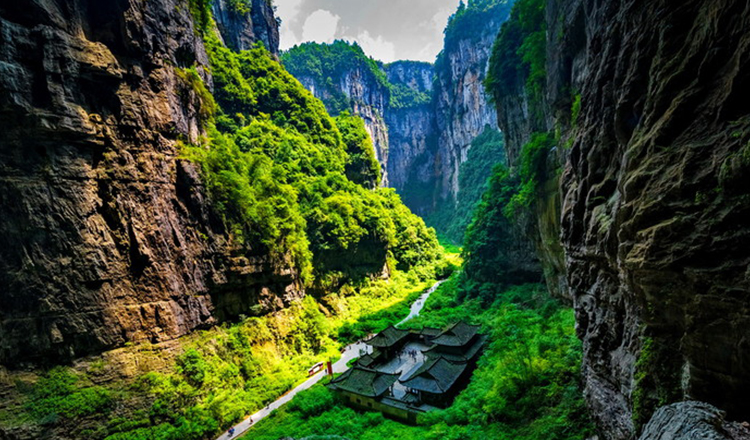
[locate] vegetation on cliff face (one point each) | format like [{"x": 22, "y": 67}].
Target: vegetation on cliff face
[
  {"x": 327, "y": 63},
  {"x": 469, "y": 17},
  {"x": 279, "y": 167},
  {"x": 520, "y": 52},
  {"x": 464, "y": 23},
  {"x": 485, "y": 153},
  {"x": 361, "y": 167},
  {"x": 527, "y": 385}
]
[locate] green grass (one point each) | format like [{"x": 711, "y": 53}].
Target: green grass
[
  {"x": 220, "y": 375},
  {"x": 527, "y": 385}
]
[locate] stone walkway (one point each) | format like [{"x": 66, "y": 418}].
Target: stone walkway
[{"x": 405, "y": 365}]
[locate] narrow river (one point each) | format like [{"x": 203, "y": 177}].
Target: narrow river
[{"x": 350, "y": 352}]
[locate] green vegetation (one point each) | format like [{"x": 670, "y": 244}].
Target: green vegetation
[
  {"x": 240, "y": 7},
  {"x": 519, "y": 54},
  {"x": 486, "y": 151},
  {"x": 510, "y": 194},
  {"x": 219, "y": 375},
  {"x": 201, "y": 12},
  {"x": 60, "y": 393},
  {"x": 297, "y": 184},
  {"x": 290, "y": 182},
  {"x": 485, "y": 266},
  {"x": 463, "y": 25},
  {"x": 469, "y": 17},
  {"x": 575, "y": 110},
  {"x": 362, "y": 167},
  {"x": 527, "y": 385},
  {"x": 657, "y": 379},
  {"x": 531, "y": 170},
  {"x": 327, "y": 63},
  {"x": 403, "y": 96}
]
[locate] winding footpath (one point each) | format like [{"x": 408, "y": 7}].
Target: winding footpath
[{"x": 350, "y": 352}]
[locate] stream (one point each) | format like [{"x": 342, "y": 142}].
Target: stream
[{"x": 418, "y": 305}]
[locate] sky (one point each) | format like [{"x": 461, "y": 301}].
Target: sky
[{"x": 387, "y": 30}]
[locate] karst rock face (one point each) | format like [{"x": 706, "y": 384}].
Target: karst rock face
[
  {"x": 367, "y": 97},
  {"x": 412, "y": 135},
  {"x": 107, "y": 236},
  {"x": 461, "y": 107},
  {"x": 693, "y": 421},
  {"x": 242, "y": 29},
  {"x": 654, "y": 199}
]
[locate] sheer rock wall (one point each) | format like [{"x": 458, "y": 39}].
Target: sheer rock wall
[{"x": 107, "y": 236}]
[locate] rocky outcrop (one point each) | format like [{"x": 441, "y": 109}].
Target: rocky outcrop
[
  {"x": 693, "y": 421},
  {"x": 461, "y": 106},
  {"x": 654, "y": 202},
  {"x": 369, "y": 100},
  {"x": 242, "y": 23},
  {"x": 654, "y": 196},
  {"x": 412, "y": 134},
  {"x": 346, "y": 79},
  {"x": 107, "y": 236}
]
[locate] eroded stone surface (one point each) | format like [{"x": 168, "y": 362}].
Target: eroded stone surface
[
  {"x": 107, "y": 236},
  {"x": 654, "y": 198},
  {"x": 692, "y": 421}
]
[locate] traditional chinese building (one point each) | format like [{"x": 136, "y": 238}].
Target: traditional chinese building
[
  {"x": 390, "y": 341},
  {"x": 460, "y": 342},
  {"x": 403, "y": 385}
]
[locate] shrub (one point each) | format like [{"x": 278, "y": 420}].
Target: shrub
[{"x": 60, "y": 394}]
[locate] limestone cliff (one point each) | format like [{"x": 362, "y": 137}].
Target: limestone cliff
[
  {"x": 107, "y": 236},
  {"x": 345, "y": 79},
  {"x": 410, "y": 119},
  {"x": 654, "y": 198},
  {"x": 461, "y": 107},
  {"x": 242, "y": 23}
]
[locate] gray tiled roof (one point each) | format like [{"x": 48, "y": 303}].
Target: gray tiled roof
[
  {"x": 388, "y": 337},
  {"x": 435, "y": 376},
  {"x": 365, "y": 382},
  {"x": 468, "y": 354},
  {"x": 365, "y": 361},
  {"x": 429, "y": 331},
  {"x": 457, "y": 335}
]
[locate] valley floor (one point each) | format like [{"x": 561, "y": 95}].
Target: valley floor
[
  {"x": 349, "y": 353},
  {"x": 193, "y": 387},
  {"x": 527, "y": 385}
]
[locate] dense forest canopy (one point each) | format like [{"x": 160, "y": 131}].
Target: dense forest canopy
[{"x": 281, "y": 166}]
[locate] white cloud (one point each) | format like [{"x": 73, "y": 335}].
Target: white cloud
[
  {"x": 440, "y": 19},
  {"x": 320, "y": 26},
  {"x": 386, "y": 29},
  {"x": 378, "y": 48},
  {"x": 288, "y": 10}
]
